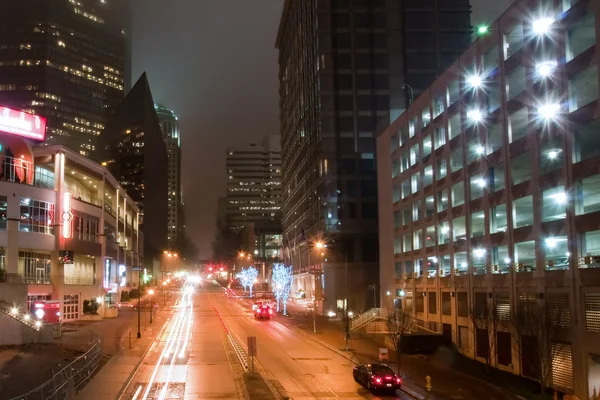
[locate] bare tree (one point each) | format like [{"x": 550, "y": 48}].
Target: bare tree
[
  {"x": 399, "y": 322},
  {"x": 486, "y": 322},
  {"x": 536, "y": 327}
]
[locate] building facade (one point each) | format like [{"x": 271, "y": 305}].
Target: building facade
[
  {"x": 489, "y": 198},
  {"x": 65, "y": 60},
  {"x": 170, "y": 129},
  {"x": 68, "y": 231},
  {"x": 253, "y": 183},
  {"x": 134, "y": 150},
  {"x": 346, "y": 70}
]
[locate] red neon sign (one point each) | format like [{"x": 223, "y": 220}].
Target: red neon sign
[
  {"x": 67, "y": 216},
  {"x": 22, "y": 124}
]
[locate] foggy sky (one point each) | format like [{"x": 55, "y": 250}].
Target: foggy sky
[{"x": 214, "y": 63}]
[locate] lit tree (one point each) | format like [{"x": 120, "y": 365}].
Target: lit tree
[
  {"x": 282, "y": 284},
  {"x": 251, "y": 273}
]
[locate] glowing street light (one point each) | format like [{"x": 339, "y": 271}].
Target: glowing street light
[
  {"x": 319, "y": 244},
  {"x": 541, "y": 26},
  {"x": 475, "y": 81},
  {"x": 14, "y": 311},
  {"x": 479, "y": 150},
  {"x": 483, "y": 29},
  {"x": 475, "y": 115},
  {"x": 548, "y": 111},
  {"x": 545, "y": 68}
]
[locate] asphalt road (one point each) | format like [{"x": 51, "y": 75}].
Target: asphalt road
[
  {"x": 189, "y": 358},
  {"x": 296, "y": 366}
]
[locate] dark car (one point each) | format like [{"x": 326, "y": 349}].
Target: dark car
[
  {"x": 377, "y": 377},
  {"x": 263, "y": 312}
]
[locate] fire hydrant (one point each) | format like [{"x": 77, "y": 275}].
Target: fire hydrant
[{"x": 428, "y": 383}]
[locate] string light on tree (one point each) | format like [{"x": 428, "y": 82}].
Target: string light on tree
[{"x": 282, "y": 285}]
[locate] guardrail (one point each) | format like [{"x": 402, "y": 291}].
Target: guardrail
[
  {"x": 65, "y": 383},
  {"x": 237, "y": 346}
]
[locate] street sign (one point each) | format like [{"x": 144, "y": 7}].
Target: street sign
[
  {"x": 137, "y": 268},
  {"x": 252, "y": 346},
  {"x": 383, "y": 354}
]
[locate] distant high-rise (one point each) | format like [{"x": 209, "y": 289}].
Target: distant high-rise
[
  {"x": 253, "y": 183},
  {"x": 346, "y": 69},
  {"x": 133, "y": 149},
  {"x": 170, "y": 130},
  {"x": 65, "y": 60}
]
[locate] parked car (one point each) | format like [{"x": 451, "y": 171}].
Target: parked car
[{"x": 376, "y": 377}]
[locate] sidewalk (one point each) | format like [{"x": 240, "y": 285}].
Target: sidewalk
[
  {"x": 110, "y": 379},
  {"x": 446, "y": 382}
]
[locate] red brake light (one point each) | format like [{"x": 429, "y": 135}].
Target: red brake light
[
  {"x": 388, "y": 378},
  {"x": 377, "y": 380},
  {"x": 398, "y": 380}
]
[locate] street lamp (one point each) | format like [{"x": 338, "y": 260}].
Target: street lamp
[
  {"x": 163, "y": 294},
  {"x": 319, "y": 245},
  {"x": 150, "y": 293}
]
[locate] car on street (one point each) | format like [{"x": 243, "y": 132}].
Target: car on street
[
  {"x": 127, "y": 305},
  {"x": 377, "y": 377},
  {"x": 263, "y": 312}
]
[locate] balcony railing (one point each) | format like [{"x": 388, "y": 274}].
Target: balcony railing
[
  {"x": 37, "y": 280},
  {"x": 7, "y": 277},
  {"x": 79, "y": 280}
]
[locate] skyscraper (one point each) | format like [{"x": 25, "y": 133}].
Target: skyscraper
[
  {"x": 253, "y": 183},
  {"x": 133, "y": 149},
  {"x": 346, "y": 69},
  {"x": 169, "y": 126},
  {"x": 65, "y": 60}
]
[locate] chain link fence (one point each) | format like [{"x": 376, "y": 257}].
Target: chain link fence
[{"x": 65, "y": 383}]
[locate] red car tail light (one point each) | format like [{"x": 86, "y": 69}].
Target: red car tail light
[
  {"x": 388, "y": 378},
  {"x": 377, "y": 380},
  {"x": 398, "y": 380}
]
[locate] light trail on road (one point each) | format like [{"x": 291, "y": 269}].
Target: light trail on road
[{"x": 179, "y": 334}]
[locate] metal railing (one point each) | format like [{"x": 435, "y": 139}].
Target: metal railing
[
  {"x": 69, "y": 380},
  {"x": 37, "y": 280},
  {"x": 368, "y": 316}
]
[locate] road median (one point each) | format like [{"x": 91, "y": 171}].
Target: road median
[{"x": 257, "y": 388}]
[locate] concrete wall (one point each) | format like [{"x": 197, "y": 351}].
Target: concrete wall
[
  {"x": 13, "y": 293},
  {"x": 14, "y": 332}
]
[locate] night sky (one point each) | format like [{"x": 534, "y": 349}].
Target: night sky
[{"x": 214, "y": 63}]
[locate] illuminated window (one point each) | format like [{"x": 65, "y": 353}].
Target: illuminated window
[
  {"x": 36, "y": 216},
  {"x": 581, "y": 37}
]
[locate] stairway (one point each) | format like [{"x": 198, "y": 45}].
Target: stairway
[
  {"x": 374, "y": 314},
  {"x": 25, "y": 319}
]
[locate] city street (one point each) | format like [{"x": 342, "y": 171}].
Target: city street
[
  {"x": 191, "y": 359},
  {"x": 296, "y": 366},
  {"x": 188, "y": 358}
]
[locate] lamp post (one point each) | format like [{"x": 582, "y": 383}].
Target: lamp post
[
  {"x": 150, "y": 293},
  {"x": 139, "y": 333},
  {"x": 163, "y": 294},
  {"x": 319, "y": 245}
]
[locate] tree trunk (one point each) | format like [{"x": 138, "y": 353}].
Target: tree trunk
[{"x": 398, "y": 359}]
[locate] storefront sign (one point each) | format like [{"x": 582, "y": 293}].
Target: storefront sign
[
  {"x": 107, "y": 273},
  {"x": 22, "y": 124},
  {"x": 67, "y": 216}
]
